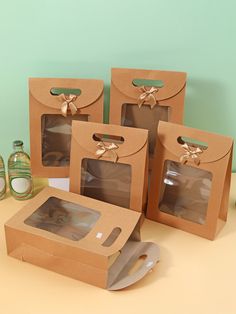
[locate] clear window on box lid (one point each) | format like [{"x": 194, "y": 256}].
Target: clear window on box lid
[{"x": 63, "y": 218}]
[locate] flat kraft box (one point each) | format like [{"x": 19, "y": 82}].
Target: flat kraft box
[
  {"x": 109, "y": 163},
  {"x": 190, "y": 181},
  {"x": 82, "y": 238},
  {"x": 54, "y": 103},
  {"x": 141, "y": 98}
]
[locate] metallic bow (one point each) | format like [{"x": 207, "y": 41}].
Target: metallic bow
[
  {"x": 148, "y": 96},
  {"x": 191, "y": 153},
  {"x": 103, "y": 148},
  {"x": 68, "y": 103}
]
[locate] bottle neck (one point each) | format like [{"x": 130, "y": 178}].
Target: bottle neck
[{"x": 18, "y": 149}]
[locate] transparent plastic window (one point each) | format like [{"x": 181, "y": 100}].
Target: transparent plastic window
[
  {"x": 145, "y": 118},
  {"x": 185, "y": 191},
  {"x": 69, "y": 220},
  {"x": 106, "y": 181},
  {"x": 56, "y": 138}
]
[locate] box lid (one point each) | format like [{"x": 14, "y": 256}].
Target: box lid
[
  {"x": 90, "y": 91},
  {"x": 134, "y": 139},
  {"x": 173, "y": 82},
  {"x": 111, "y": 217},
  {"x": 218, "y": 146}
]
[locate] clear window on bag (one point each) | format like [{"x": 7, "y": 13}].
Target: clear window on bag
[
  {"x": 185, "y": 191},
  {"x": 66, "y": 219},
  {"x": 56, "y": 138},
  {"x": 145, "y": 118},
  {"x": 106, "y": 181}
]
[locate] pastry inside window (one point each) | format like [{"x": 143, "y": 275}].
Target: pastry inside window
[{"x": 66, "y": 219}]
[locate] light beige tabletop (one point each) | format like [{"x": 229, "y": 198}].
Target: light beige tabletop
[{"x": 194, "y": 276}]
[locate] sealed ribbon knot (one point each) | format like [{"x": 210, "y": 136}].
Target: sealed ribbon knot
[
  {"x": 68, "y": 103},
  {"x": 107, "y": 148},
  {"x": 147, "y": 96},
  {"x": 191, "y": 154}
]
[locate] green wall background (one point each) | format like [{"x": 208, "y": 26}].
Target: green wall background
[{"x": 84, "y": 38}]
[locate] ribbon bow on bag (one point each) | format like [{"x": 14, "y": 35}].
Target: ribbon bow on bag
[
  {"x": 68, "y": 103},
  {"x": 103, "y": 148},
  {"x": 191, "y": 153},
  {"x": 148, "y": 96}
]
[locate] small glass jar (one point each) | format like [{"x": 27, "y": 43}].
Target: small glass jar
[
  {"x": 19, "y": 171},
  {"x": 2, "y": 179}
]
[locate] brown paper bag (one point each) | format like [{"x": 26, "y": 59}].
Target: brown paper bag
[
  {"x": 160, "y": 98},
  {"x": 54, "y": 103},
  {"x": 190, "y": 180},
  {"x": 109, "y": 163},
  {"x": 82, "y": 238}
]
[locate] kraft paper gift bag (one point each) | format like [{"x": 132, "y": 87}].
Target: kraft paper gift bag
[
  {"x": 141, "y": 98},
  {"x": 190, "y": 181},
  {"x": 82, "y": 238},
  {"x": 54, "y": 104},
  {"x": 109, "y": 163}
]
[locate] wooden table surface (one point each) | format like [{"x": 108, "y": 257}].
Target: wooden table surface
[{"x": 194, "y": 276}]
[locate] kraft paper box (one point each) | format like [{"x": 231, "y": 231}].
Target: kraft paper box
[
  {"x": 141, "y": 98},
  {"x": 190, "y": 180},
  {"x": 82, "y": 238},
  {"x": 109, "y": 163},
  {"x": 54, "y": 103}
]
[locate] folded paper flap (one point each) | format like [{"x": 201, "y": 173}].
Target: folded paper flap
[
  {"x": 119, "y": 273},
  {"x": 134, "y": 138},
  {"x": 174, "y": 82},
  {"x": 40, "y": 88},
  {"x": 218, "y": 146}
]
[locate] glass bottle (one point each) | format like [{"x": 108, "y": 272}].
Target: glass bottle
[
  {"x": 19, "y": 171},
  {"x": 2, "y": 179}
]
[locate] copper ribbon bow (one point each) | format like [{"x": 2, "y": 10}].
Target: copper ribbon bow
[
  {"x": 148, "y": 96},
  {"x": 191, "y": 153},
  {"x": 68, "y": 103},
  {"x": 103, "y": 148}
]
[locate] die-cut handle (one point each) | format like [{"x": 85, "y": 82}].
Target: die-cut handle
[{"x": 131, "y": 252}]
